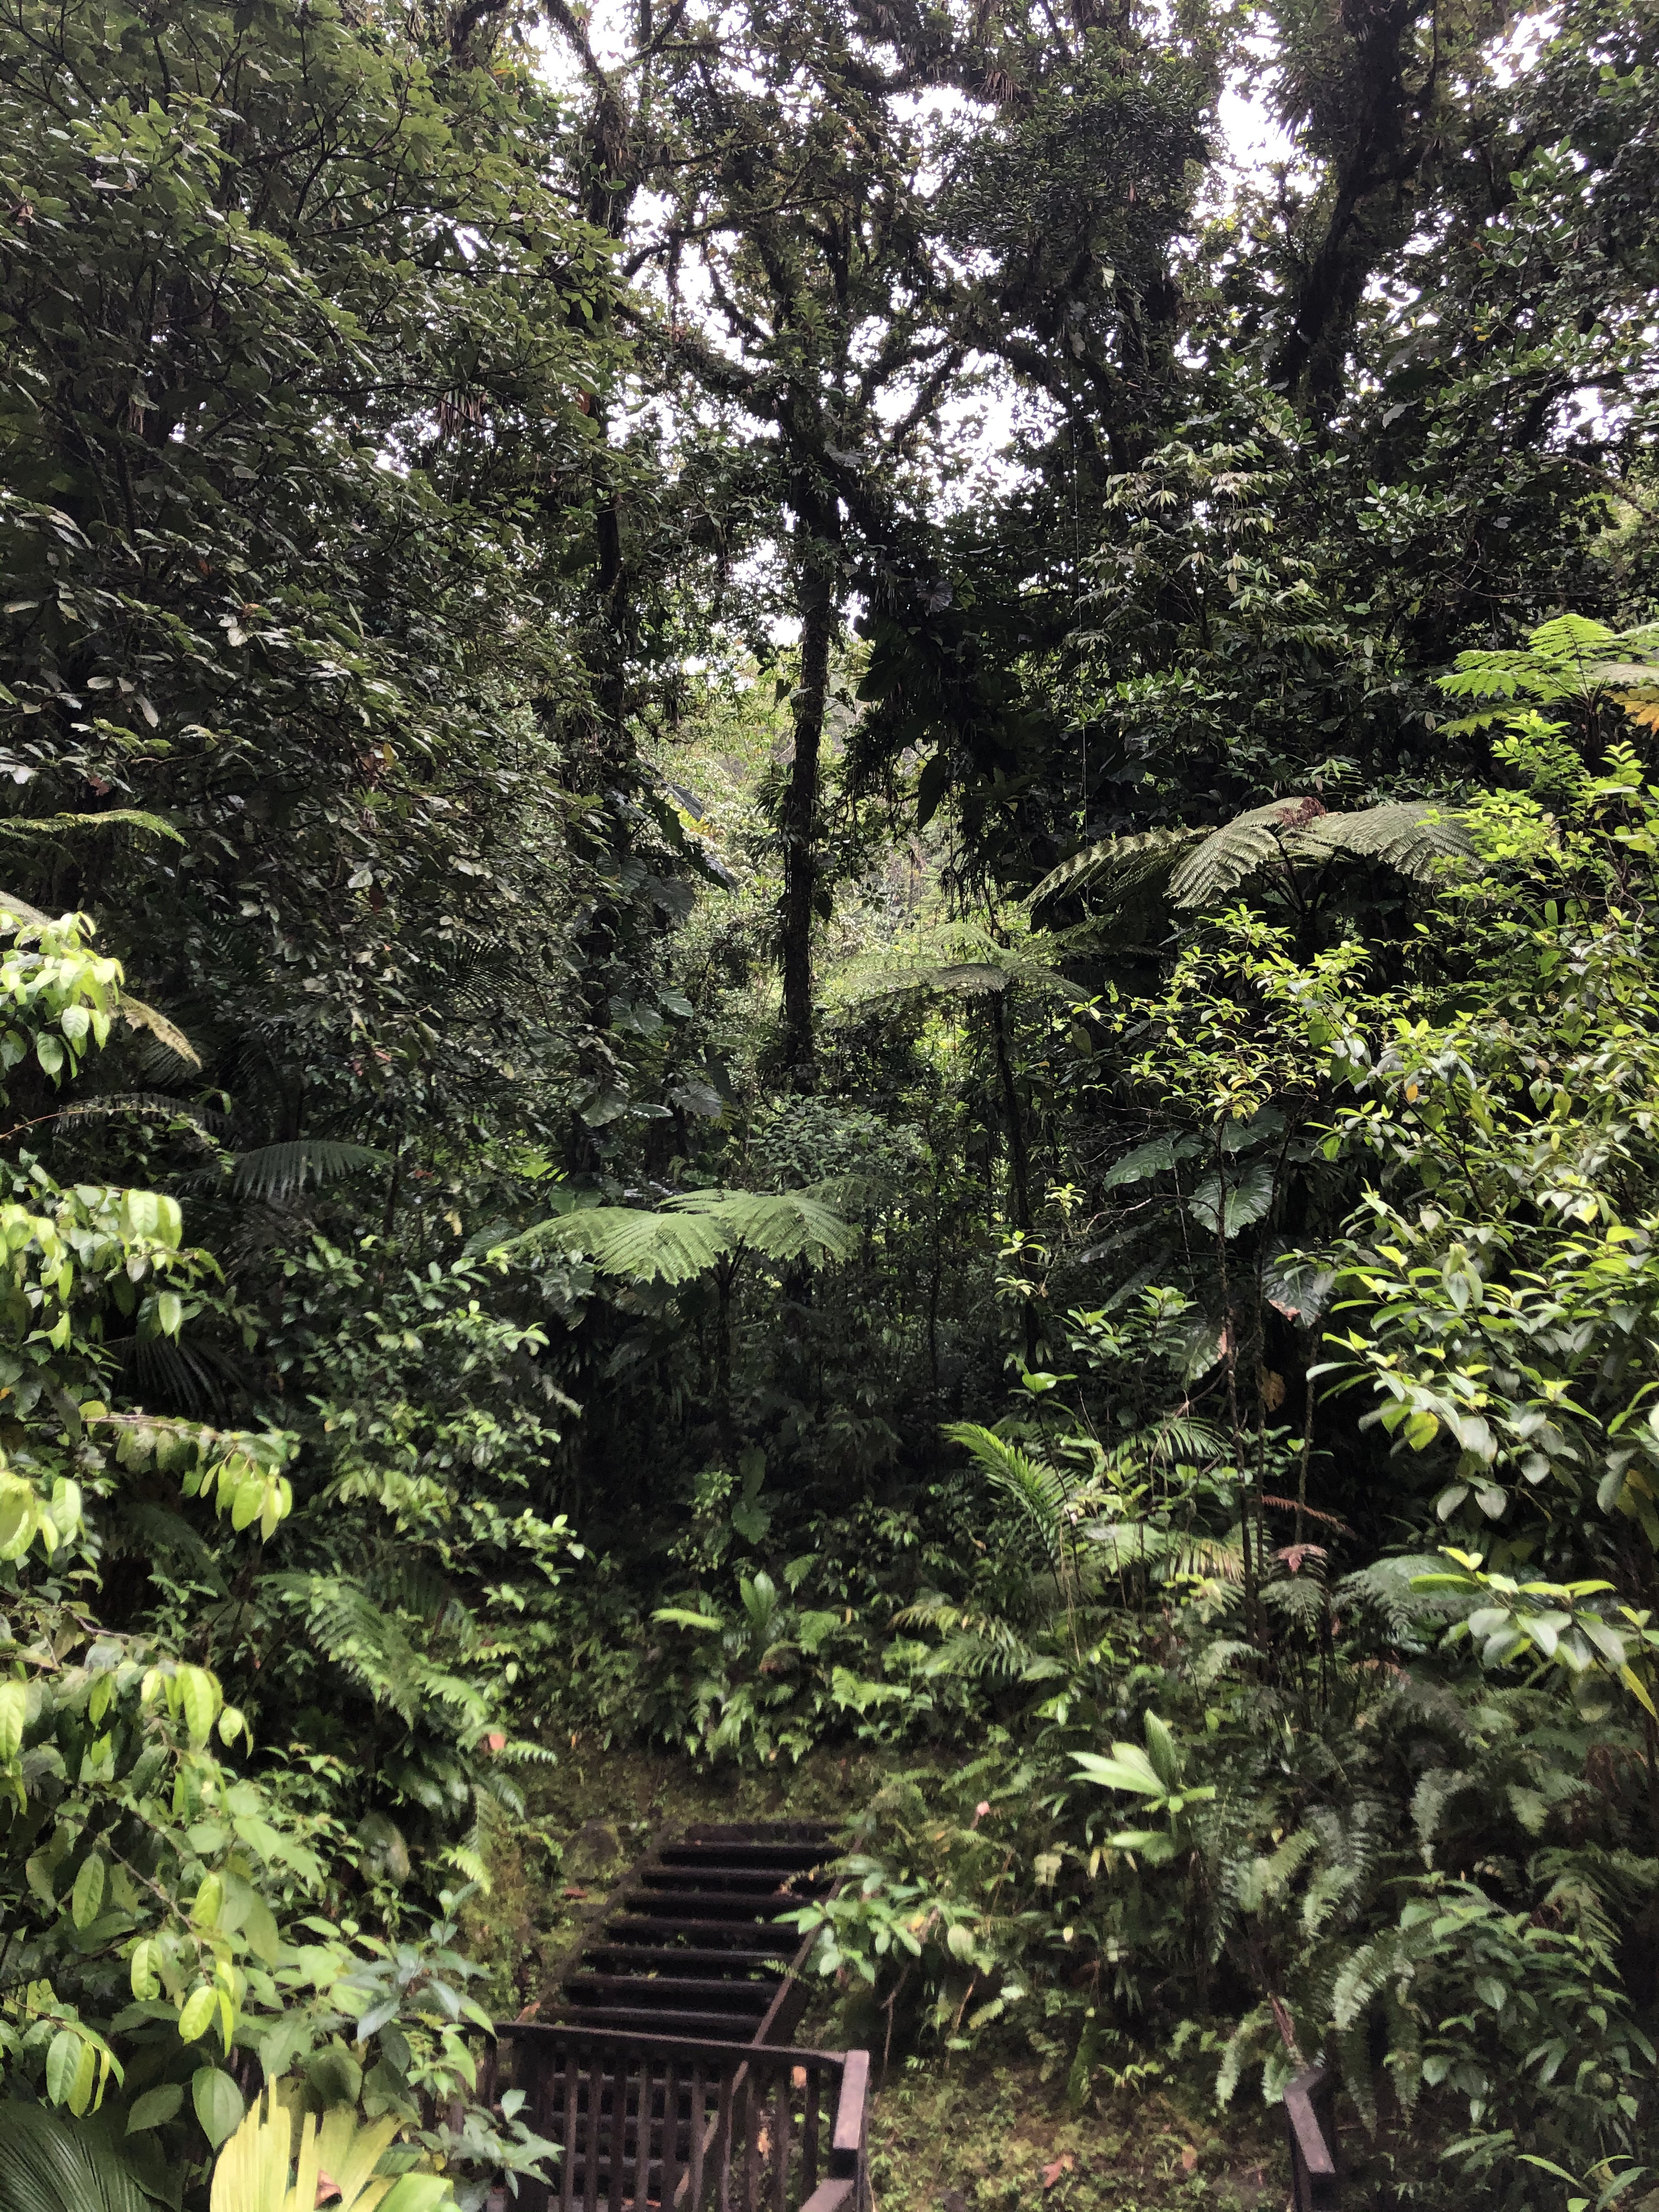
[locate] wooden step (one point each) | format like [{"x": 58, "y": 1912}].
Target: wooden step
[
  {"x": 750, "y": 1996},
  {"x": 708, "y": 1963}
]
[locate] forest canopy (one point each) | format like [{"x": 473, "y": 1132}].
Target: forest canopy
[{"x": 824, "y": 896}]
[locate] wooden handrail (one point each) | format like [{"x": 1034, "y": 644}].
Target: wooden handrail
[
  {"x": 1313, "y": 2141},
  {"x": 835, "y": 2196},
  {"x": 679, "y": 2046}
]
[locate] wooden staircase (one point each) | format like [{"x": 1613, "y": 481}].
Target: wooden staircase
[{"x": 664, "y": 2072}]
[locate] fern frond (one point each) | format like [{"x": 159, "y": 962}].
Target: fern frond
[
  {"x": 138, "y": 1016},
  {"x": 975, "y": 1643},
  {"x": 1231, "y": 855},
  {"x": 274, "y": 1173},
  {"x": 1119, "y": 867},
  {"x": 785, "y": 1225},
  {"x": 693, "y": 1231},
  {"x": 30, "y": 829},
  {"x": 1412, "y": 837},
  {"x": 625, "y": 1240}
]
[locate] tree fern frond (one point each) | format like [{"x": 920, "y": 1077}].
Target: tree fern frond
[
  {"x": 274, "y": 1173},
  {"x": 166, "y": 1033},
  {"x": 1231, "y": 855},
  {"x": 1412, "y": 837},
  {"x": 783, "y": 1225},
  {"x": 1119, "y": 867},
  {"x": 1196, "y": 868},
  {"x": 625, "y": 1240},
  {"x": 31, "y": 828},
  {"x": 693, "y": 1231}
]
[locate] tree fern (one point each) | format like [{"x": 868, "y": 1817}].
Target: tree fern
[
  {"x": 694, "y": 1231},
  {"x": 961, "y": 960},
  {"x": 1412, "y": 838},
  {"x": 1194, "y": 868}
]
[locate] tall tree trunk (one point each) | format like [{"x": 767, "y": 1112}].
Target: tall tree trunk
[{"x": 801, "y": 810}]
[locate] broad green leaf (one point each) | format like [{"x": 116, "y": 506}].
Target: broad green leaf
[
  {"x": 1129, "y": 1768},
  {"x": 145, "y": 1969},
  {"x": 13, "y": 1718},
  {"x": 86, "y": 1898},
  {"x": 196, "y": 2015},
  {"x": 198, "y": 1696},
  {"x": 155, "y": 2107},
  {"x": 217, "y": 2101}
]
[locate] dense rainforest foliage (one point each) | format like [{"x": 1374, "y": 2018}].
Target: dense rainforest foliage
[{"x": 829, "y": 918}]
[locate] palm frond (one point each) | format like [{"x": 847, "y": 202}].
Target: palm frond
[
  {"x": 52, "y": 2163},
  {"x": 1039, "y": 1492}
]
